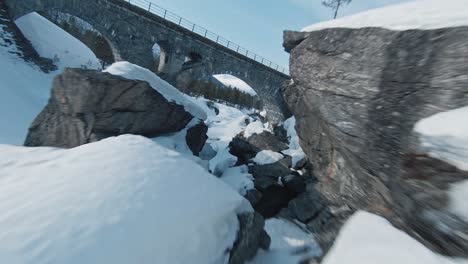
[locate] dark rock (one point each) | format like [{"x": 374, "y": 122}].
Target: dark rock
[
  {"x": 307, "y": 206},
  {"x": 280, "y": 133},
  {"x": 273, "y": 170},
  {"x": 253, "y": 196},
  {"x": 247, "y": 148},
  {"x": 196, "y": 137},
  {"x": 274, "y": 198},
  {"x": 87, "y": 105},
  {"x": 301, "y": 164},
  {"x": 356, "y": 95},
  {"x": 294, "y": 183},
  {"x": 250, "y": 238},
  {"x": 212, "y": 106}
]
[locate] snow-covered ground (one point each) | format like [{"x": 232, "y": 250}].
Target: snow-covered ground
[
  {"x": 290, "y": 244},
  {"x": 234, "y": 82},
  {"x": 370, "y": 239},
  {"x": 120, "y": 200},
  {"x": 417, "y": 14},
  {"x": 445, "y": 136}
]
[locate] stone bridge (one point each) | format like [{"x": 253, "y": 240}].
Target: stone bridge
[{"x": 132, "y": 31}]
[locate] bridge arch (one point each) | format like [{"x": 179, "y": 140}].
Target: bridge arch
[{"x": 100, "y": 45}]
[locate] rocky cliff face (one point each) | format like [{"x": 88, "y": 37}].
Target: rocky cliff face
[{"x": 356, "y": 95}]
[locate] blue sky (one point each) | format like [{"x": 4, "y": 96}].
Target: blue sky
[{"x": 258, "y": 24}]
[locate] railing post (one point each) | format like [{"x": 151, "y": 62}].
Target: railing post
[
  {"x": 217, "y": 39},
  {"x": 228, "y": 43},
  {"x": 237, "y": 49},
  {"x": 255, "y": 57},
  {"x": 165, "y": 12},
  {"x": 247, "y": 53},
  {"x": 206, "y": 32},
  {"x": 193, "y": 27},
  {"x": 149, "y": 7},
  {"x": 180, "y": 20}
]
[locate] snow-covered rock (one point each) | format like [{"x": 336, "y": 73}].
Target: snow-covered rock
[
  {"x": 87, "y": 105},
  {"x": 416, "y": 14},
  {"x": 369, "y": 239},
  {"x": 120, "y": 200},
  {"x": 134, "y": 72},
  {"x": 267, "y": 157},
  {"x": 255, "y": 127},
  {"x": 25, "y": 88}
]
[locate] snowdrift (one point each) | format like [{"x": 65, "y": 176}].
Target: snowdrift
[
  {"x": 120, "y": 200},
  {"x": 418, "y": 14}
]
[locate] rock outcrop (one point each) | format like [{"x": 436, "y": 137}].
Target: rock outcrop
[
  {"x": 196, "y": 137},
  {"x": 250, "y": 238},
  {"x": 356, "y": 95},
  {"x": 87, "y": 105}
]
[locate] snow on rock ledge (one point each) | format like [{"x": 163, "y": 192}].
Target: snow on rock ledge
[
  {"x": 120, "y": 200},
  {"x": 134, "y": 72},
  {"x": 418, "y": 14}
]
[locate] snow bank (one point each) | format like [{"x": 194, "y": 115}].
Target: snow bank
[
  {"x": 289, "y": 244},
  {"x": 370, "y": 239},
  {"x": 52, "y": 42},
  {"x": 239, "y": 179},
  {"x": 267, "y": 157},
  {"x": 234, "y": 82},
  {"x": 294, "y": 150},
  {"x": 445, "y": 136},
  {"x": 418, "y": 14},
  {"x": 120, "y": 200},
  {"x": 134, "y": 72},
  {"x": 253, "y": 128}
]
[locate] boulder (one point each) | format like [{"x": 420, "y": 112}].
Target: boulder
[
  {"x": 196, "y": 137},
  {"x": 87, "y": 105},
  {"x": 274, "y": 198},
  {"x": 274, "y": 170},
  {"x": 356, "y": 95},
  {"x": 250, "y": 238},
  {"x": 246, "y": 148},
  {"x": 207, "y": 152}
]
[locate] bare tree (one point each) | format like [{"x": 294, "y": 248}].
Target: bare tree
[{"x": 335, "y": 5}]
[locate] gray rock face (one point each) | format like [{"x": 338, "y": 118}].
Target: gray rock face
[
  {"x": 250, "y": 238},
  {"x": 86, "y": 106},
  {"x": 196, "y": 137},
  {"x": 357, "y": 94}
]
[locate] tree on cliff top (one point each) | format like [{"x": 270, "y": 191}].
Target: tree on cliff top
[{"x": 335, "y": 5}]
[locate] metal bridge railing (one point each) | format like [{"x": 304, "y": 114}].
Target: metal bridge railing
[{"x": 169, "y": 16}]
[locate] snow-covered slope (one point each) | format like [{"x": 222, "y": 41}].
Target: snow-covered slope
[
  {"x": 121, "y": 200},
  {"x": 50, "y": 41},
  {"x": 370, "y": 239},
  {"x": 418, "y": 14},
  {"x": 289, "y": 244},
  {"x": 135, "y": 72},
  {"x": 234, "y": 82},
  {"x": 294, "y": 150}
]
